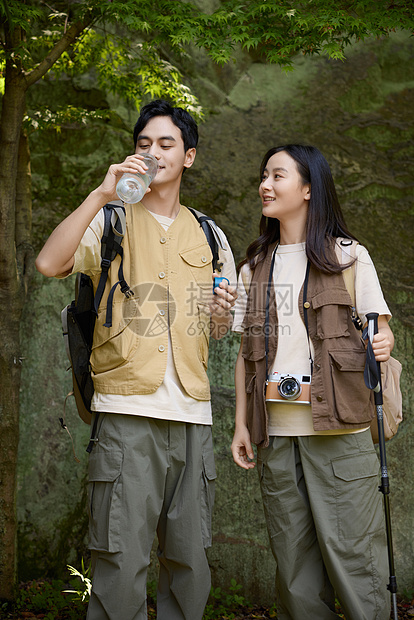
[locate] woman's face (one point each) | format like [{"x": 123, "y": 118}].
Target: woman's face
[{"x": 283, "y": 194}]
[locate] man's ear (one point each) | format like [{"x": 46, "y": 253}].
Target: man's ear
[{"x": 189, "y": 158}]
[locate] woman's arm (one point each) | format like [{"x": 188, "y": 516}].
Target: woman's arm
[{"x": 241, "y": 446}]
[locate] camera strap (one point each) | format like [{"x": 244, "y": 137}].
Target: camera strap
[
  {"x": 269, "y": 286},
  {"x": 305, "y": 307}
]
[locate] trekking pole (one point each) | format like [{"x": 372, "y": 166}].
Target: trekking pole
[{"x": 372, "y": 375}]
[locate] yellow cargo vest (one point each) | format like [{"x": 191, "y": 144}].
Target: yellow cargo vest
[{"x": 170, "y": 274}]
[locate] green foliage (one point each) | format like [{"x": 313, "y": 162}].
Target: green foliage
[
  {"x": 111, "y": 46},
  {"x": 64, "y": 115},
  {"x": 84, "y": 575},
  {"x": 225, "y": 604},
  {"x": 44, "y": 597},
  {"x": 52, "y": 598},
  {"x": 152, "y": 589},
  {"x": 280, "y": 29},
  {"x": 339, "y": 610},
  {"x": 40, "y": 597},
  {"x": 125, "y": 43},
  {"x": 408, "y": 594},
  {"x": 135, "y": 70}
]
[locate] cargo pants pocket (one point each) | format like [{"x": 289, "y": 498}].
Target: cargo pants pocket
[
  {"x": 358, "y": 503},
  {"x": 207, "y": 488},
  {"x": 105, "y": 500}
]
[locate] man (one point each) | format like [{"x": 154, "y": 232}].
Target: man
[{"x": 152, "y": 467}]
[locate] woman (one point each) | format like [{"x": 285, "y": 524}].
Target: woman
[{"x": 317, "y": 465}]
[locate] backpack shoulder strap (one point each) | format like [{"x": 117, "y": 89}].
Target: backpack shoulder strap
[
  {"x": 111, "y": 245},
  {"x": 347, "y": 250},
  {"x": 213, "y": 235}
]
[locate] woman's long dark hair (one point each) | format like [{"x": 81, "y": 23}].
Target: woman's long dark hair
[{"x": 325, "y": 220}]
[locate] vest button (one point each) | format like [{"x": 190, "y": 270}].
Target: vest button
[
  {"x": 162, "y": 312},
  {"x": 161, "y": 348},
  {"x": 204, "y": 259},
  {"x": 163, "y": 240},
  {"x": 161, "y": 275},
  {"x": 306, "y": 305},
  {"x": 319, "y": 399}
]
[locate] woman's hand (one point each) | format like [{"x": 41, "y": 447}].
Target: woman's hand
[
  {"x": 383, "y": 341},
  {"x": 381, "y": 345},
  {"x": 241, "y": 448}
]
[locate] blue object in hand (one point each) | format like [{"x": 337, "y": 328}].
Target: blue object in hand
[{"x": 217, "y": 281}]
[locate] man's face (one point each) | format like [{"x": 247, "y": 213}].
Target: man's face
[{"x": 161, "y": 138}]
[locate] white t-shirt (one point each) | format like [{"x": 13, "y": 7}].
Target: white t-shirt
[
  {"x": 292, "y": 356},
  {"x": 170, "y": 401}
]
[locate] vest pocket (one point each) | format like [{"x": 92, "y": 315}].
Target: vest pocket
[
  {"x": 104, "y": 491},
  {"x": 199, "y": 260},
  {"x": 332, "y": 310},
  {"x": 250, "y": 380},
  {"x": 352, "y": 398},
  {"x": 254, "y": 336},
  {"x": 113, "y": 347}
]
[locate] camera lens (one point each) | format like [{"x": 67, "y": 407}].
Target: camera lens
[{"x": 289, "y": 388}]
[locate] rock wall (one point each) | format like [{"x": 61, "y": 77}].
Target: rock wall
[{"x": 359, "y": 114}]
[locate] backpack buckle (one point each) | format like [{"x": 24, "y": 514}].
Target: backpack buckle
[
  {"x": 105, "y": 263},
  {"x": 126, "y": 290}
]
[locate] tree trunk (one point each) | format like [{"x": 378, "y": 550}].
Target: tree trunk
[
  {"x": 11, "y": 304},
  {"x": 16, "y": 263},
  {"x": 23, "y": 234}
]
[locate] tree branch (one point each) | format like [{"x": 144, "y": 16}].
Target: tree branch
[{"x": 62, "y": 45}]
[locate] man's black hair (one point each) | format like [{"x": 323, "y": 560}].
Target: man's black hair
[{"x": 181, "y": 118}]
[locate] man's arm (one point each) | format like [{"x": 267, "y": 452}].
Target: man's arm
[{"x": 57, "y": 255}]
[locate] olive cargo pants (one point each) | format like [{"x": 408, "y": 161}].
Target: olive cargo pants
[
  {"x": 149, "y": 476},
  {"x": 324, "y": 515}
]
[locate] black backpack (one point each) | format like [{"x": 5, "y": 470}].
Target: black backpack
[{"x": 78, "y": 318}]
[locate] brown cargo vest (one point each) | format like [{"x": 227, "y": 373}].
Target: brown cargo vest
[{"x": 339, "y": 397}]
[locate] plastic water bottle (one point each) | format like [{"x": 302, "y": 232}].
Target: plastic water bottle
[{"x": 132, "y": 187}]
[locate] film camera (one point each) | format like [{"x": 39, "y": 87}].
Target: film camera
[{"x": 288, "y": 388}]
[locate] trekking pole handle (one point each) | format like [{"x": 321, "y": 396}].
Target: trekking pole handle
[{"x": 372, "y": 318}]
